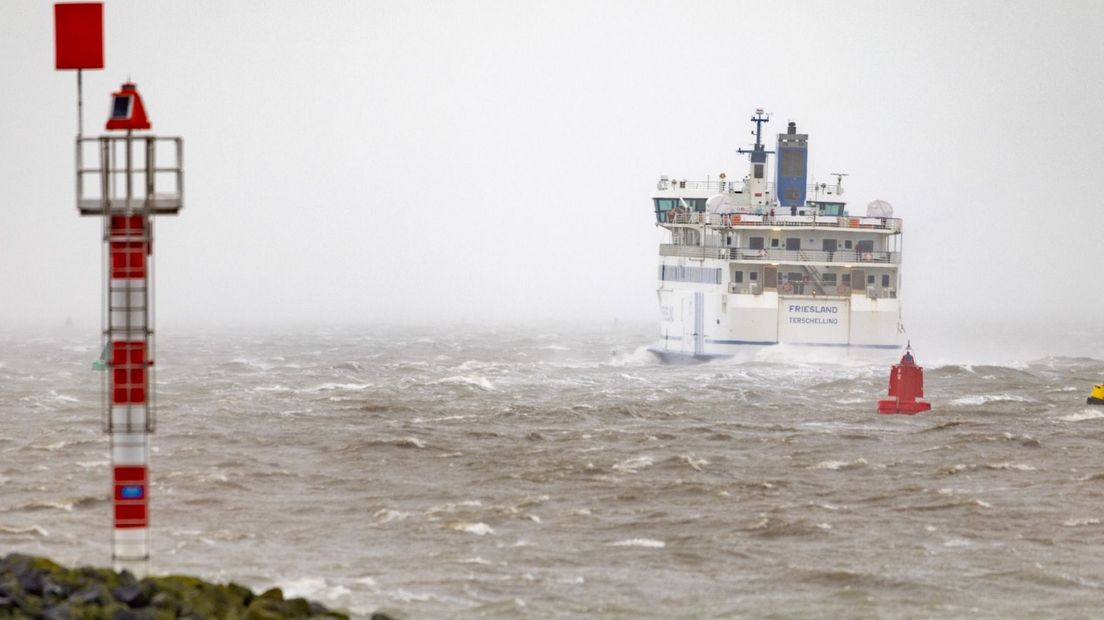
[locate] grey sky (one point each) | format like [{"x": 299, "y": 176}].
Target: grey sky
[{"x": 379, "y": 161}]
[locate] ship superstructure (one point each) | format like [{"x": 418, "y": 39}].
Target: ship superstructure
[{"x": 757, "y": 263}]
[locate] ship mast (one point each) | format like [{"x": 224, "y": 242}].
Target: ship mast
[{"x": 756, "y": 184}]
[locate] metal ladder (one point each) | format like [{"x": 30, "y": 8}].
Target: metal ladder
[{"x": 813, "y": 273}]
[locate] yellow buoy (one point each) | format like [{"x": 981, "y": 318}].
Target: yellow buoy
[{"x": 1097, "y": 395}]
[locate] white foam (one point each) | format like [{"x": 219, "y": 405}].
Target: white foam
[
  {"x": 476, "y": 381},
  {"x": 479, "y": 529},
  {"x": 640, "y": 356},
  {"x": 974, "y": 401},
  {"x": 1012, "y": 466},
  {"x": 387, "y": 515},
  {"x": 839, "y": 464},
  {"x": 1088, "y": 414},
  {"x": 1079, "y": 522},
  {"x": 634, "y": 464},
  {"x": 640, "y": 542},
  {"x": 315, "y": 588},
  {"x": 476, "y": 560},
  {"x": 34, "y": 529},
  {"x": 62, "y": 398},
  {"x": 696, "y": 464},
  {"x": 329, "y": 387}
]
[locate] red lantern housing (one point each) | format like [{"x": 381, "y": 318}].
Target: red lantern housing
[{"x": 127, "y": 111}]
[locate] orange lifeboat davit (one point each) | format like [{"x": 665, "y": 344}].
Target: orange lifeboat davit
[{"x": 906, "y": 386}]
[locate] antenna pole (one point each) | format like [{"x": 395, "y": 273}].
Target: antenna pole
[{"x": 80, "y": 105}]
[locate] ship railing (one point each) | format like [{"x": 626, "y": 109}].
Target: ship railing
[
  {"x": 695, "y": 251},
  {"x": 880, "y": 292},
  {"x": 764, "y": 219},
  {"x": 704, "y": 186},
  {"x": 776, "y": 255},
  {"x": 745, "y": 288}
]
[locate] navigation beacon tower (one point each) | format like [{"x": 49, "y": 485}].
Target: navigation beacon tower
[{"x": 126, "y": 179}]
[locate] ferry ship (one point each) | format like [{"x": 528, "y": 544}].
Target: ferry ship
[{"x": 758, "y": 263}]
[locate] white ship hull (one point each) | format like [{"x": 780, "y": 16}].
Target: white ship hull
[{"x": 706, "y": 323}]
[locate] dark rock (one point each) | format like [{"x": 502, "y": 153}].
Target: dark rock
[
  {"x": 126, "y": 578},
  {"x": 132, "y": 614},
  {"x": 94, "y": 593},
  {"x": 134, "y": 595},
  {"x": 379, "y": 615},
  {"x": 31, "y": 581},
  {"x": 33, "y": 587},
  {"x": 239, "y": 591},
  {"x": 275, "y": 594},
  {"x": 296, "y": 608},
  {"x": 163, "y": 600},
  {"x": 58, "y": 612},
  {"x": 53, "y": 590}
]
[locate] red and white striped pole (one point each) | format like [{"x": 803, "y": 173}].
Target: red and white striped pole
[{"x": 130, "y": 420}]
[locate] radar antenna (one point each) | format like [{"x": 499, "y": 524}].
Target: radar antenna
[{"x": 839, "y": 180}]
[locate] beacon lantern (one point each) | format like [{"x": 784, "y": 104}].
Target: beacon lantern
[{"x": 127, "y": 111}]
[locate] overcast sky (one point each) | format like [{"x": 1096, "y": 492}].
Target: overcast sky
[{"x": 380, "y": 161}]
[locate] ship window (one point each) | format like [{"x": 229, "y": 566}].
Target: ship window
[
  {"x": 120, "y": 108},
  {"x": 793, "y": 243},
  {"x": 737, "y": 276},
  {"x": 885, "y": 280},
  {"x": 847, "y": 244},
  {"x": 830, "y": 279},
  {"x": 870, "y": 279},
  {"x": 755, "y": 243},
  {"x": 753, "y": 276},
  {"x": 774, "y": 243},
  {"x": 758, "y": 171},
  {"x": 846, "y": 279},
  {"x": 690, "y": 274},
  {"x": 793, "y": 276},
  {"x": 866, "y": 245}
]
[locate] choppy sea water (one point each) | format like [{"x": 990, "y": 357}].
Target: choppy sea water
[{"x": 553, "y": 473}]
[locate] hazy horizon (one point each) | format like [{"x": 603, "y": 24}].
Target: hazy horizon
[{"x": 493, "y": 162}]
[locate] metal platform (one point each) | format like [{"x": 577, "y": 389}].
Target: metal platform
[{"x": 130, "y": 174}]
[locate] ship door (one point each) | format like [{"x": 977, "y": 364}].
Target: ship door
[
  {"x": 858, "y": 280},
  {"x": 770, "y": 278},
  {"x": 830, "y": 245}
]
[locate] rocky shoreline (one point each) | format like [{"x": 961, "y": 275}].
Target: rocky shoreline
[{"x": 33, "y": 587}]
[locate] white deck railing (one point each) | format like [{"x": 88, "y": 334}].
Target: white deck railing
[
  {"x": 753, "y": 220},
  {"x": 775, "y": 255}
]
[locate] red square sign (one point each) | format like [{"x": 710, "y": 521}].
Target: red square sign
[{"x": 78, "y": 35}]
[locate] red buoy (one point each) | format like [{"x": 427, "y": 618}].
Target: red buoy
[{"x": 906, "y": 385}]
